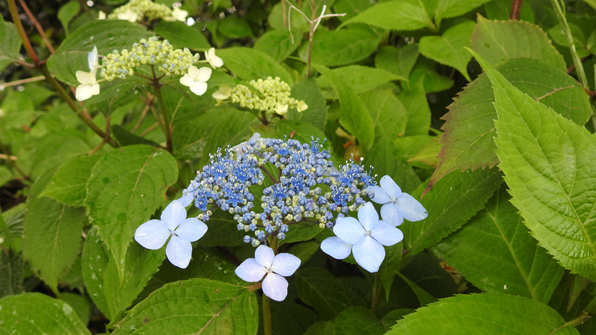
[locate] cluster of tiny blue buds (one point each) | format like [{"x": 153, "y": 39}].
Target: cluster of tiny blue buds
[{"x": 300, "y": 184}]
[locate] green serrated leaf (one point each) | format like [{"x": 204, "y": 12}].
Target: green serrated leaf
[
  {"x": 68, "y": 183},
  {"x": 67, "y": 12},
  {"x": 350, "y": 7},
  {"x": 414, "y": 101},
  {"x": 126, "y": 186},
  {"x": 469, "y": 130},
  {"x": 514, "y": 263},
  {"x": 395, "y": 15},
  {"x": 549, "y": 168},
  {"x": 182, "y": 36},
  {"x": 342, "y": 47},
  {"x": 234, "y": 27},
  {"x": 94, "y": 262},
  {"x": 79, "y": 304},
  {"x": 355, "y": 118},
  {"x": 10, "y": 44},
  {"x": 489, "y": 313},
  {"x": 452, "y": 8},
  {"x": 499, "y": 41},
  {"x": 358, "y": 321},
  {"x": 316, "y": 113},
  {"x": 424, "y": 297},
  {"x": 107, "y": 35},
  {"x": 252, "y": 64},
  {"x": 35, "y": 313},
  {"x": 388, "y": 114},
  {"x": 397, "y": 61},
  {"x": 52, "y": 238},
  {"x": 278, "y": 44},
  {"x": 11, "y": 272},
  {"x": 449, "y": 49},
  {"x": 210, "y": 307},
  {"x": 361, "y": 78},
  {"x": 451, "y": 203}
]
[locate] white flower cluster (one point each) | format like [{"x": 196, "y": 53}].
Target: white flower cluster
[
  {"x": 275, "y": 96},
  {"x": 136, "y": 10}
]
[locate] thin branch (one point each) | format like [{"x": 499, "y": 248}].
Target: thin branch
[
  {"x": 37, "y": 26},
  {"x": 148, "y": 104},
  {"x": 12, "y": 158},
  {"x": 13, "y": 163},
  {"x": 515, "y": 9},
  {"x": 150, "y": 129},
  {"x": 19, "y": 25},
  {"x": 22, "y": 81}
]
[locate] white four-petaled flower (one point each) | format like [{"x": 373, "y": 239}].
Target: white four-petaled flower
[
  {"x": 274, "y": 267},
  {"x": 177, "y": 15},
  {"x": 89, "y": 86},
  {"x": 222, "y": 93},
  {"x": 213, "y": 60},
  {"x": 129, "y": 15},
  {"x": 196, "y": 79},
  {"x": 397, "y": 206},
  {"x": 174, "y": 225},
  {"x": 187, "y": 195},
  {"x": 365, "y": 237}
]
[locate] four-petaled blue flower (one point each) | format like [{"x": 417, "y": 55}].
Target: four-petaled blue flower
[
  {"x": 153, "y": 234},
  {"x": 397, "y": 206},
  {"x": 275, "y": 267},
  {"x": 365, "y": 237}
]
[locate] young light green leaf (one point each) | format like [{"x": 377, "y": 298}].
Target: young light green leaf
[
  {"x": 452, "y": 202},
  {"x": 355, "y": 118},
  {"x": 52, "y": 238},
  {"x": 361, "y": 78},
  {"x": 395, "y": 15},
  {"x": 38, "y": 314},
  {"x": 10, "y": 44},
  {"x": 277, "y": 44},
  {"x": 397, "y": 61},
  {"x": 549, "y": 167},
  {"x": 342, "y": 47},
  {"x": 68, "y": 183},
  {"x": 514, "y": 263},
  {"x": 211, "y": 307},
  {"x": 126, "y": 186},
  {"x": 489, "y": 313},
  {"x": 249, "y": 64},
  {"x": 67, "y": 12},
  {"x": 107, "y": 35},
  {"x": 469, "y": 128},
  {"x": 449, "y": 49},
  {"x": 182, "y": 36},
  {"x": 498, "y": 41},
  {"x": 451, "y": 8}
]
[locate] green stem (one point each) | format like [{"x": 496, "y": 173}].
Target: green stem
[
  {"x": 579, "y": 67},
  {"x": 377, "y": 293},
  {"x": 164, "y": 113},
  {"x": 13, "y": 163},
  {"x": 573, "y": 323},
  {"x": 267, "y": 325}
]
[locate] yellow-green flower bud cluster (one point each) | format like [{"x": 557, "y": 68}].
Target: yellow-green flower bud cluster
[
  {"x": 275, "y": 96},
  {"x": 161, "y": 54},
  {"x": 141, "y": 8}
]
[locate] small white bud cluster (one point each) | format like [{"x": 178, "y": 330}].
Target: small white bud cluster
[
  {"x": 135, "y": 10},
  {"x": 161, "y": 54},
  {"x": 275, "y": 96}
]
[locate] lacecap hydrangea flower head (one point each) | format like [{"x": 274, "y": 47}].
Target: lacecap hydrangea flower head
[{"x": 299, "y": 184}]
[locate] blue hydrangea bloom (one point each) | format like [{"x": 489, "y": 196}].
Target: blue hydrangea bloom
[
  {"x": 174, "y": 225},
  {"x": 367, "y": 236},
  {"x": 274, "y": 267},
  {"x": 397, "y": 206}
]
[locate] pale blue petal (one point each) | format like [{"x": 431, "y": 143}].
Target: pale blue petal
[
  {"x": 92, "y": 58},
  {"x": 285, "y": 264},
  {"x": 275, "y": 287},
  {"x": 264, "y": 256},
  {"x": 369, "y": 254},
  {"x": 186, "y": 199},
  {"x": 349, "y": 230},
  {"x": 254, "y": 137},
  {"x": 411, "y": 208},
  {"x": 336, "y": 248},
  {"x": 152, "y": 234},
  {"x": 173, "y": 215},
  {"x": 386, "y": 234},
  {"x": 250, "y": 271},
  {"x": 390, "y": 187},
  {"x": 179, "y": 252},
  {"x": 367, "y": 215},
  {"x": 391, "y": 214},
  {"x": 380, "y": 196},
  {"x": 191, "y": 229}
]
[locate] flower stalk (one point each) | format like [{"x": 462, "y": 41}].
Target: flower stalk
[{"x": 166, "y": 121}]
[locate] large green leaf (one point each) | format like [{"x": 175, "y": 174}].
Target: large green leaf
[
  {"x": 549, "y": 166},
  {"x": 395, "y": 15},
  {"x": 388, "y": 114},
  {"x": 252, "y": 64},
  {"x": 278, "y": 44},
  {"x": 36, "y": 313},
  {"x": 362, "y": 78},
  {"x": 182, "y": 36},
  {"x": 498, "y": 41},
  {"x": 414, "y": 101},
  {"x": 68, "y": 183},
  {"x": 342, "y": 47},
  {"x": 94, "y": 262},
  {"x": 126, "y": 186},
  {"x": 210, "y": 307},
  {"x": 107, "y": 35},
  {"x": 449, "y": 49},
  {"x": 354, "y": 117},
  {"x": 451, "y": 203},
  {"x": 513, "y": 264},
  {"x": 469, "y": 130},
  {"x": 397, "y": 61},
  {"x": 452, "y": 8},
  {"x": 316, "y": 113},
  {"x": 52, "y": 237},
  {"x": 488, "y": 313},
  {"x": 10, "y": 44}
]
